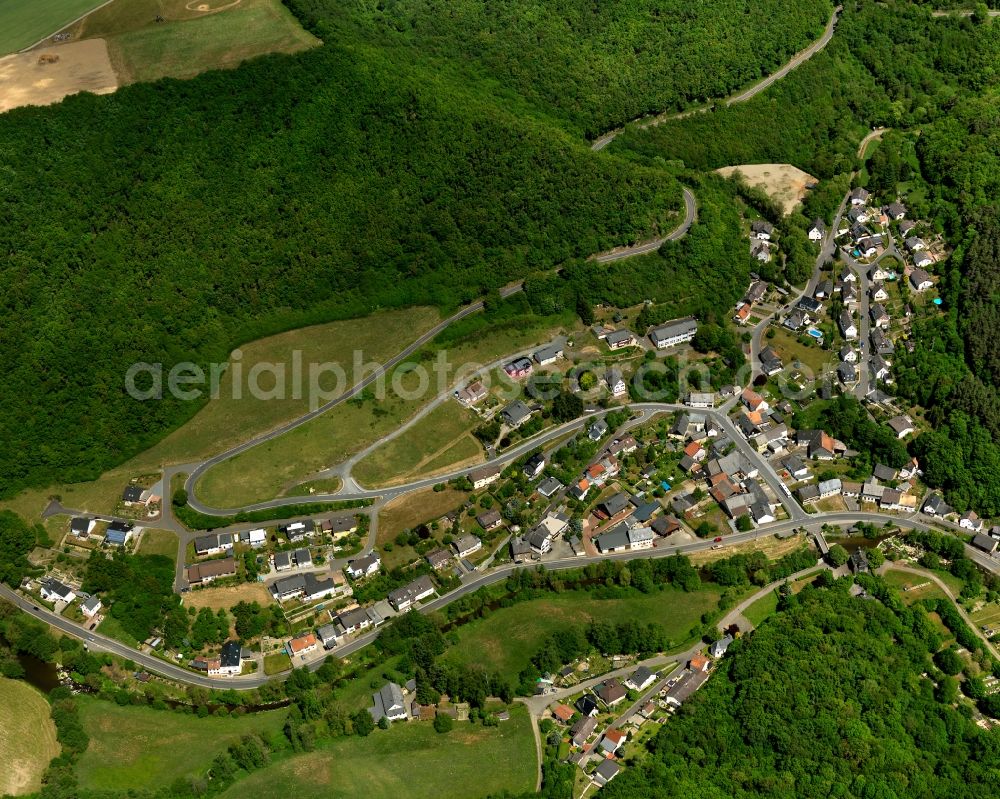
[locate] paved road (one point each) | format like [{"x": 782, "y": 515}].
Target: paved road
[
  {"x": 353, "y": 391},
  {"x": 474, "y": 583},
  {"x": 798, "y": 59},
  {"x": 619, "y": 253}
]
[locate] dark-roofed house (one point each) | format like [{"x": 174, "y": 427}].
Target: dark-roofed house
[
  {"x": 587, "y": 706},
  {"x": 403, "y": 598},
  {"x": 606, "y": 771},
  {"x": 666, "y": 525},
  {"x": 761, "y": 229},
  {"x": 438, "y": 558},
  {"x": 364, "y": 566},
  {"x": 582, "y": 730},
  {"x": 549, "y": 354},
  {"x": 515, "y": 414},
  {"x": 859, "y": 196},
  {"x": 895, "y": 211},
  {"x": 388, "y": 703},
  {"x": 920, "y": 280},
  {"x": 467, "y": 545},
  {"x": 131, "y": 494},
  {"x": 54, "y": 591},
  {"x": 816, "y": 230},
  {"x": 612, "y": 506},
  {"x": 985, "y": 542},
  {"x": 883, "y": 472},
  {"x": 210, "y": 570},
  {"x": 718, "y": 649},
  {"x": 640, "y": 679},
  {"x": 673, "y": 333},
  {"x": 611, "y": 692},
  {"x": 483, "y": 476},
  {"x": 490, "y": 520},
  {"x": 859, "y": 562},
  {"x": 549, "y": 486},
  {"x": 619, "y": 339},
  {"x": 82, "y": 526}
]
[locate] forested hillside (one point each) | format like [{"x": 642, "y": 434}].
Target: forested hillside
[
  {"x": 596, "y": 65},
  {"x": 836, "y": 696},
  {"x": 172, "y": 221}
]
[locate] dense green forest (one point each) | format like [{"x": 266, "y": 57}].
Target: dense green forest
[
  {"x": 172, "y": 221},
  {"x": 835, "y": 696},
  {"x": 594, "y": 65}
]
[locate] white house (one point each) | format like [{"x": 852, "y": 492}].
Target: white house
[
  {"x": 920, "y": 280},
  {"x": 364, "y": 566},
  {"x": 466, "y": 545},
  {"x": 484, "y": 476},
  {"x": 54, "y": 591},
  {"x": 616, "y": 384},
  {"x": 91, "y": 606},
  {"x": 816, "y": 230}
]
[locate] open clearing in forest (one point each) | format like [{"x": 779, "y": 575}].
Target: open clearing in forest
[
  {"x": 785, "y": 184},
  {"x": 48, "y": 74}
]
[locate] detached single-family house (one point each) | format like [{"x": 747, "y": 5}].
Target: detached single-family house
[
  {"x": 209, "y": 570},
  {"x": 848, "y": 354},
  {"x": 640, "y": 679},
  {"x": 986, "y": 543},
  {"x": 619, "y": 339},
  {"x": 760, "y": 251},
  {"x": 606, "y": 771},
  {"x": 848, "y": 329},
  {"x": 583, "y": 729},
  {"x": 549, "y": 354},
  {"x": 816, "y": 230},
  {"x": 902, "y": 426},
  {"x": 611, "y": 692},
  {"x": 403, "y": 598},
  {"x": 302, "y": 644},
  {"x": 473, "y": 393},
  {"x": 515, "y": 414},
  {"x": 230, "y": 660},
  {"x": 81, "y": 526},
  {"x": 118, "y": 533},
  {"x": 859, "y": 196},
  {"x": 254, "y": 538},
  {"x": 54, "y": 591},
  {"x": 214, "y": 544},
  {"x": 718, "y": 649},
  {"x": 534, "y": 466},
  {"x": 616, "y": 385},
  {"x": 795, "y": 467},
  {"x": 91, "y": 606},
  {"x": 762, "y": 230},
  {"x": 701, "y": 399},
  {"x": 879, "y": 316},
  {"x": 895, "y": 211},
  {"x": 282, "y": 561},
  {"x": 920, "y": 280},
  {"x": 914, "y": 244},
  {"x": 612, "y": 740},
  {"x": 467, "y": 545},
  {"x": 597, "y": 430},
  {"x": 920, "y": 260},
  {"x": 365, "y": 566},
  {"x": 132, "y": 494},
  {"x": 484, "y": 476},
  {"x": 970, "y": 521},
  {"x": 388, "y": 703},
  {"x": 490, "y": 520},
  {"x": 549, "y": 486},
  {"x": 742, "y": 315},
  {"x": 438, "y": 558},
  {"x": 518, "y": 368}
]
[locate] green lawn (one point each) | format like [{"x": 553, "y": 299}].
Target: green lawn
[
  {"x": 265, "y": 471},
  {"x": 761, "y": 609},
  {"x": 159, "y": 542},
  {"x": 112, "y": 628},
  {"x": 277, "y": 663},
  {"x": 27, "y": 737},
  {"x": 425, "y": 446},
  {"x": 182, "y": 49},
  {"x": 24, "y": 22},
  {"x": 139, "y": 748},
  {"x": 408, "y": 760},
  {"x": 791, "y": 349},
  {"x": 906, "y": 584},
  {"x": 508, "y": 638}
]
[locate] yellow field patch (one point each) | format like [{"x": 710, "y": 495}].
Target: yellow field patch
[
  {"x": 47, "y": 75},
  {"x": 27, "y": 737},
  {"x": 227, "y": 596},
  {"x": 785, "y": 184}
]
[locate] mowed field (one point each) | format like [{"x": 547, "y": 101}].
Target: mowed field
[
  {"x": 269, "y": 469},
  {"x": 27, "y": 737},
  {"x": 191, "y": 36},
  {"x": 785, "y": 184},
  {"x": 24, "y": 22},
  {"x": 159, "y": 542},
  {"x": 408, "y": 760},
  {"x": 227, "y": 421},
  {"x": 440, "y": 440},
  {"x": 140, "y": 748},
  {"x": 507, "y": 638}
]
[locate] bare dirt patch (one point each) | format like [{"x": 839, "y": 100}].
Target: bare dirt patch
[
  {"x": 48, "y": 74},
  {"x": 227, "y": 596},
  {"x": 785, "y": 184}
]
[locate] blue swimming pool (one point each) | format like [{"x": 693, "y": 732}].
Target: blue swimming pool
[{"x": 812, "y": 331}]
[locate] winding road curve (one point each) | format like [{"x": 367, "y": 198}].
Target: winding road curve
[
  {"x": 619, "y": 253},
  {"x": 797, "y": 60}
]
